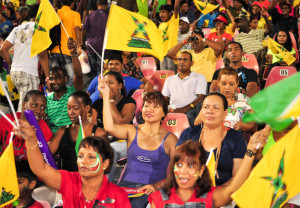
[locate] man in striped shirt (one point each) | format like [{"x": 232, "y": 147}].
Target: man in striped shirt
[{"x": 57, "y": 100}]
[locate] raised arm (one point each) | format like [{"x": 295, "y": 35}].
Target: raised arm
[
  {"x": 176, "y": 8},
  {"x": 234, "y": 25},
  {"x": 78, "y": 77},
  {"x": 49, "y": 175},
  {"x": 120, "y": 131},
  {"x": 43, "y": 57},
  {"x": 225, "y": 3},
  {"x": 217, "y": 47},
  {"x": 126, "y": 114},
  {"x": 153, "y": 13},
  {"x": 269, "y": 26},
  {"x": 222, "y": 196}
]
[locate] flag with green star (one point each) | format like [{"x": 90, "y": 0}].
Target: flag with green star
[
  {"x": 204, "y": 7},
  {"x": 139, "y": 34},
  {"x": 275, "y": 179},
  {"x": 45, "y": 20}
]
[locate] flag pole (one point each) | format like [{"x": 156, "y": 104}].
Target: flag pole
[
  {"x": 10, "y": 103},
  {"x": 61, "y": 23},
  {"x": 103, "y": 49},
  {"x": 96, "y": 52},
  {"x": 10, "y": 121}
]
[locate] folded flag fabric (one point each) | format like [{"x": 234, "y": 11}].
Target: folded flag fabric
[
  {"x": 45, "y": 20},
  {"x": 275, "y": 179},
  {"x": 277, "y": 105},
  {"x": 211, "y": 165},
  {"x": 9, "y": 189},
  {"x": 203, "y": 7},
  {"x": 276, "y": 48}
]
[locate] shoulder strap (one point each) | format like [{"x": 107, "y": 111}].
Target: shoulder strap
[
  {"x": 94, "y": 130},
  {"x": 167, "y": 135},
  {"x": 164, "y": 196}
]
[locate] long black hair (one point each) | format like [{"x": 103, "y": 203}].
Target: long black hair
[{"x": 288, "y": 44}]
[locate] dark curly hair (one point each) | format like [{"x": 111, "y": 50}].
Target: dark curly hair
[
  {"x": 288, "y": 44},
  {"x": 195, "y": 153}
]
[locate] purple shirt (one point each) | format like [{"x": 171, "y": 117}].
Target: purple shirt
[{"x": 95, "y": 25}]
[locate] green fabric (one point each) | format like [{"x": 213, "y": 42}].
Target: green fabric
[
  {"x": 3, "y": 75},
  {"x": 271, "y": 104},
  {"x": 160, "y": 2},
  {"x": 57, "y": 110},
  {"x": 30, "y": 2},
  {"x": 143, "y": 7},
  {"x": 269, "y": 143}
]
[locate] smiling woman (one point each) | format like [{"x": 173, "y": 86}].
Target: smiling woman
[
  {"x": 89, "y": 186},
  {"x": 149, "y": 146},
  {"x": 64, "y": 141}
]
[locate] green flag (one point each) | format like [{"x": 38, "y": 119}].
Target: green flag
[
  {"x": 80, "y": 136},
  {"x": 277, "y": 105},
  {"x": 143, "y": 7}
]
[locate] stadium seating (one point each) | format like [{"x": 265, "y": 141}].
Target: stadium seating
[
  {"x": 147, "y": 65},
  {"x": 175, "y": 123},
  {"x": 278, "y": 73},
  {"x": 206, "y": 32},
  {"x": 250, "y": 62},
  {"x": 220, "y": 64},
  {"x": 138, "y": 97},
  {"x": 159, "y": 77}
]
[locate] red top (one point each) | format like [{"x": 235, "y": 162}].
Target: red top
[
  {"x": 213, "y": 36},
  {"x": 109, "y": 195},
  {"x": 161, "y": 199},
  {"x": 34, "y": 205},
  {"x": 19, "y": 143}
]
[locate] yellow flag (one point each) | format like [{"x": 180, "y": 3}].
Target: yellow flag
[
  {"x": 275, "y": 179},
  {"x": 9, "y": 189},
  {"x": 169, "y": 33},
  {"x": 46, "y": 19},
  {"x": 296, "y": 3},
  {"x": 211, "y": 165},
  {"x": 129, "y": 31},
  {"x": 203, "y": 7},
  {"x": 276, "y": 48}
]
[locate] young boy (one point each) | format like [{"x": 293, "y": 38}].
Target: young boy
[{"x": 27, "y": 181}]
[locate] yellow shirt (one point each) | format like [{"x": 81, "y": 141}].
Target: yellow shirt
[
  {"x": 70, "y": 19},
  {"x": 169, "y": 32},
  {"x": 204, "y": 63}
]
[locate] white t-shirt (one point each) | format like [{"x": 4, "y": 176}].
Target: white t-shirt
[
  {"x": 182, "y": 37},
  {"x": 21, "y": 38},
  {"x": 184, "y": 91}
]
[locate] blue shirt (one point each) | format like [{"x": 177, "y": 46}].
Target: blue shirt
[
  {"x": 6, "y": 27},
  {"x": 210, "y": 18},
  {"x": 233, "y": 146},
  {"x": 130, "y": 83}
]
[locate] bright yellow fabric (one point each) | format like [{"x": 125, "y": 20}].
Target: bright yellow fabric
[
  {"x": 275, "y": 179},
  {"x": 12, "y": 91},
  {"x": 129, "y": 31},
  {"x": 204, "y": 63},
  {"x": 9, "y": 189},
  {"x": 211, "y": 166},
  {"x": 46, "y": 19},
  {"x": 70, "y": 19},
  {"x": 203, "y": 7},
  {"x": 169, "y": 33},
  {"x": 276, "y": 48}
]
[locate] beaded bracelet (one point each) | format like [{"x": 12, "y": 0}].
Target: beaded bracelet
[{"x": 31, "y": 148}]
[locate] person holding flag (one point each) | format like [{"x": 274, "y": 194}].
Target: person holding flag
[
  {"x": 23, "y": 67},
  {"x": 281, "y": 51},
  {"x": 188, "y": 180},
  {"x": 169, "y": 32},
  {"x": 66, "y": 138}
]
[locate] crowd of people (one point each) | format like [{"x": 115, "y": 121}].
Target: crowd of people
[{"x": 166, "y": 170}]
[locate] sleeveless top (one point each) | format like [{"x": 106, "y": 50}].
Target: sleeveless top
[
  {"x": 146, "y": 166},
  {"x": 67, "y": 152}
]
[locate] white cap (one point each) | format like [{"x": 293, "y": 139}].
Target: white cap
[{"x": 185, "y": 19}]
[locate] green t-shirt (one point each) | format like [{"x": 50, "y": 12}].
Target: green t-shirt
[{"x": 57, "y": 110}]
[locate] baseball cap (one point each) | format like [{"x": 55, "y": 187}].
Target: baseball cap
[
  {"x": 221, "y": 18},
  {"x": 241, "y": 16},
  {"x": 185, "y": 19}
]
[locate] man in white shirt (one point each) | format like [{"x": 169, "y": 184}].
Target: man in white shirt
[
  {"x": 184, "y": 32},
  {"x": 185, "y": 90},
  {"x": 23, "y": 68}
]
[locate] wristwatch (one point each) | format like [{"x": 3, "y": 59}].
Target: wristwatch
[{"x": 250, "y": 153}]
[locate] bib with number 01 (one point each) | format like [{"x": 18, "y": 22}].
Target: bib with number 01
[
  {"x": 172, "y": 122},
  {"x": 144, "y": 62}
]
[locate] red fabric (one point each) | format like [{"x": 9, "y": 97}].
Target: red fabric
[
  {"x": 34, "y": 205},
  {"x": 109, "y": 195},
  {"x": 174, "y": 199},
  {"x": 213, "y": 36},
  {"x": 261, "y": 4},
  {"x": 19, "y": 143}
]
